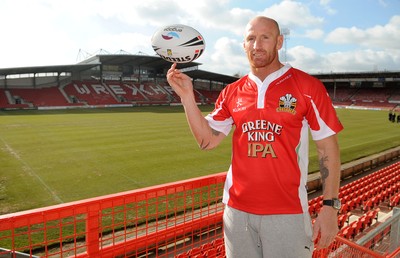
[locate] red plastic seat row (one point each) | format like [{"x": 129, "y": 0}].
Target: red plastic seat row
[
  {"x": 388, "y": 171},
  {"x": 342, "y": 219},
  {"x": 369, "y": 198},
  {"x": 216, "y": 248},
  {"x": 358, "y": 226},
  {"x": 394, "y": 200}
]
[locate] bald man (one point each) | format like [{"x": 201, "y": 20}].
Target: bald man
[{"x": 271, "y": 110}]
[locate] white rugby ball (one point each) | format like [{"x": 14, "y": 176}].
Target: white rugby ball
[{"x": 178, "y": 43}]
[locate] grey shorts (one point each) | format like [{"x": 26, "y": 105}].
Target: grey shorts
[{"x": 269, "y": 236}]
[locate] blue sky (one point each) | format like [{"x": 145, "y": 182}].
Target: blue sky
[{"x": 325, "y": 35}]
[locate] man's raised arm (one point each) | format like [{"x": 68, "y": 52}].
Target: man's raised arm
[{"x": 206, "y": 137}]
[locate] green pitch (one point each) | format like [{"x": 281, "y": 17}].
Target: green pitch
[{"x": 51, "y": 157}]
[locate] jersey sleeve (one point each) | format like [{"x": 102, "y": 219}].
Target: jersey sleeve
[
  {"x": 220, "y": 118},
  {"x": 321, "y": 115}
]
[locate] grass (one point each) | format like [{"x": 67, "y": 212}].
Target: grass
[{"x": 51, "y": 157}]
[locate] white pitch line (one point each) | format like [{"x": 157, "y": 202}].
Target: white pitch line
[{"x": 28, "y": 169}]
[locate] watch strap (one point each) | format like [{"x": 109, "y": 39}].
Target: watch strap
[
  {"x": 334, "y": 202},
  {"x": 328, "y": 202}
]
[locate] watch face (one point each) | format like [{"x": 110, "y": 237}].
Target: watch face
[{"x": 336, "y": 204}]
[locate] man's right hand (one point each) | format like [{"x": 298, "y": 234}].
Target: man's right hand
[{"x": 180, "y": 82}]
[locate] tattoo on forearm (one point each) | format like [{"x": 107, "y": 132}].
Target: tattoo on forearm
[
  {"x": 215, "y": 132},
  {"x": 324, "y": 170}
]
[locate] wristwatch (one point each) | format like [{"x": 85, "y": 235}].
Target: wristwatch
[{"x": 334, "y": 202}]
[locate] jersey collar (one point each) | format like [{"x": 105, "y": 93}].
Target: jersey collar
[
  {"x": 262, "y": 86},
  {"x": 270, "y": 77}
]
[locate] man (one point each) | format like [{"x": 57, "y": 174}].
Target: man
[{"x": 266, "y": 212}]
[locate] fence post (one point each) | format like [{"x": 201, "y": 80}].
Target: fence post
[{"x": 92, "y": 230}]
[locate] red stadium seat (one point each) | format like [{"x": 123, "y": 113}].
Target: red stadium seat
[
  {"x": 311, "y": 210},
  {"x": 356, "y": 227},
  {"x": 371, "y": 215},
  {"x": 218, "y": 242},
  {"x": 211, "y": 253},
  {"x": 367, "y": 205},
  {"x": 342, "y": 219},
  {"x": 206, "y": 246},
  {"x": 193, "y": 252},
  {"x": 348, "y": 232},
  {"x": 358, "y": 201},
  {"x": 344, "y": 209},
  {"x": 352, "y": 204},
  {"x": 394, "y": 201}
]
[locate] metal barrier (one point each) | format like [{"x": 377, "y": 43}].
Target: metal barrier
[
  {"x": 385, "y": 238},
  {"x": 156, "y": 221},
  {"x": 342, "y": 247},
  {"x": 382, "y": 242},
  {"x": 178, "y": 219}
]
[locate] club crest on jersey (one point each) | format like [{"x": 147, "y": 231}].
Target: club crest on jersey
[{"x": 287, "y": 103}]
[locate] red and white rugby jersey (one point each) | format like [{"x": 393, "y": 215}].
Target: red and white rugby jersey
[{"x": 268, "y": 174}]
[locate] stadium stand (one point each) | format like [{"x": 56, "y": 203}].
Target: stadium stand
[
  {"x": 91, "y": 93},
  {"x": 94, "y": 93},
  {"x": 210, "y": 96},
  {"x": 115, "y": 80},
  {"x": 39, "y": 97},
  {"x": 3, "y": 99}
]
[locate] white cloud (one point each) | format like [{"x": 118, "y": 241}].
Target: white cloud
[
  {"x": 326, "y": 5},
  {"x": 374, "y": 48},
  {"x": 377, "y": 37},
  {"x": 293, "y": 14},
  {"x": 130, "y": 42},
  {"x": 351, "y": 61},
  {"x": 314, "y": 34},
  {"x": 363, "y": 60},
  {"x": 305, "y": 59},
  {"x": 228, "y": 57}
]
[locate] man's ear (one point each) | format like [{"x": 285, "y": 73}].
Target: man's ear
[{"x": 279, "y": 43}]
